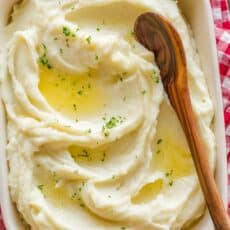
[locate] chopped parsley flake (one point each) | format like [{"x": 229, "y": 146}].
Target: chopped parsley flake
[
  {"x": 169, "y": 173},
  {"x": 132, "y": 33},
  {"x": 55, "y": 177},
  {"x": 61, "y": 50},
  {"x": 157, "y": 80},
  {"x": 112, "y": 123},
  {"x": 44, "y": 61},
  {"x": 88, "y": 39},
  {"x": 171, "y": 183},
  {"x": 75, "y": 107},
  {"x": 155, "y": 77},
  {"x": 89, "y": 130},
  {"x": 80, "y": 92},
  {"x": 123, "y": 228},
  {"x": 143, "y": 92},
  {"x": 40, "y": 187},
  {"x": 67, "y": 43},
  {"x": 43, "y": 58},
  {"x": 98, "y": 29},
  {"x": 122, "y": 76},
  {"x": 96, "y": 57},
  {"x": 159, "y": 141},
  {"x": 83, "y": 154},
  {"x": 67, "y": 31},
  {"x": 106, "y": 133},
  {"x": 73, "y": 196},
  {"x": 103, "y": 157}
]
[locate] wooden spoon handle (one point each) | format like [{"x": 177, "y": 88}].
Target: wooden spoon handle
[{"x": 183, "y": 107}]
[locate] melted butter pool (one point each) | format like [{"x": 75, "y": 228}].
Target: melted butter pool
[
  {"x": 74, "y": 96},
  {"x": 171, "y": 152},
  {"x": 148, "y": 192}
]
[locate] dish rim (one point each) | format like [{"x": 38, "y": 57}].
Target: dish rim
[{"x": 221, "y": 172}]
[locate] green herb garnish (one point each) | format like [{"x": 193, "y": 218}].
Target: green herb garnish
[
  {"x": 88, "y": 39},
  {"x": 43, "y": 58},
  {"x": 55, "y": 177},
  {"x": 143, "y": 92},
  {"x": 169, "y": 173},
  {"x": 66, "y": 31},
  {"x": 157, "y": 80},
  {"x": 80, "y": 92},
  {"x": 73, "y": 196},
  {"x": 40, "y": 187},
  {"x": 171, "y": 183},
  {"x": 112, "y": 123},
  {"x": 132, "y": 33},
  {"x": 75, "y": 107},
  {"x": 155, "y": 77},
  {"x": 83, "y": 154},
  {"x": 159, "y": 141},
  {"x": 103, "y": 157}
]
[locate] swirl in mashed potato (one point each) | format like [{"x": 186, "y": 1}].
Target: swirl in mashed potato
[{"x": 93, "y": 143}]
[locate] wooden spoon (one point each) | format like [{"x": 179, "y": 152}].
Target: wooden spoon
[{"x": 159, "y": 36}]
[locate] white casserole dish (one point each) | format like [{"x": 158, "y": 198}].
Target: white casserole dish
[{"x": 198, "y": 13}]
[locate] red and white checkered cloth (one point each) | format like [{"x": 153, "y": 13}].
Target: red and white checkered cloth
[
  {"x": 222, "y": 28},
  {"x": 222, "y": 22}
]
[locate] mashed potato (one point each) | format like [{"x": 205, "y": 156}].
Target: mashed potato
[{"x": 93, "y": 143}]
